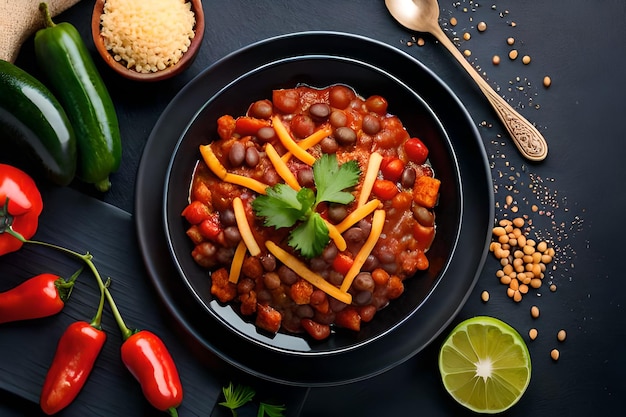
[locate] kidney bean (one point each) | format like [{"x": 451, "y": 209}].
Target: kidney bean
[
  {"x": 424, "y": 216},
  {"x": 338, "y": 118},
  {"x": 408, "y": 177},
  {"x": 237, "y": 154},
  {"x": 227, "y": 217},
  {"x": 337, "y": 212},
  {"x": 232, "y": 235},
  {"x": 345, "y": 136},
  {"x": 329, "y": 145},
  {"x": 364, "y": 282},
  {"x": 287, "y": 275},
  {"x": 266, "y": 134},
  {"x": 261, "y": 109},
  {"x": 271, "y": 177},
  {"x": 319, "y": 112},
  {"x": 302, "y": 126},
  {"x": 271, "y": 280},
  {"x": 370, "y": 124},
  {"x": 362, "y": 298},
  {"x": 305, "y": 177},
  {"x": 305, "y": 311},
  {"x": 252, "y": 156},
  {"x": 269, "y": 262},
  {"x": 336, "y": 305}
]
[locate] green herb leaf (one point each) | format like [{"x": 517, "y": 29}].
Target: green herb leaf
[
  {"x": 331, "y": 179},
  {"x": 310, "y": 237},
  {"x": 270, "y": 410},
  {"x": 281, "y": 206},
  {"x": 236, "y": 396}
]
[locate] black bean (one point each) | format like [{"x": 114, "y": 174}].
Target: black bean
[
  {"x": 337, "y": 212},
  {"x": 424, "y": 216},
  {"x": 363, "y": 298},
  {"x": 338, "y": 118},
  {"x": 319, "y": 112},
  {"x": 237, "y": 154},
  {"x": 305, "y": 177},
  {"x": 329, "y": 145},
  {"x": 224, "y": 255},
  {"x": 370, "y": 263},
  {"x": 330, "y": 253},
  {"x": 386, "y": 256},
  {"x": 287, "y": 275},
  {"x": 261, "y": 109},
  {"x": 335, "y": 277},
  {"x": 371, "y": 124},
  {"x": 252, "y": 156},
  {"x": 269, "y": 262},
  {"x": 318, "y": 264},
  {"x": 227, "y": 217},
  {"x": 408, "y": 177},
  {"x": 245, "y": 285},
  {"x": 271, "y": 177},
  {"x": 345, "y": 136},
  {"x": 305, "y": 311},
  {"x": 364, "y": 282},
  {"x": 232, "y": 235},
  {"x": 266, "y": 134},
  {"x": 271, "y": 280},
  {"x": 336, "y": 305},
  {"x": 354, "y": 235}
]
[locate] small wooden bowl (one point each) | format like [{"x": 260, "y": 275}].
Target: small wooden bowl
[{"x": 170, "y": 71}]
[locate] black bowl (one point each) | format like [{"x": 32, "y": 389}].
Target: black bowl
[{"x": 428, "y": 110}]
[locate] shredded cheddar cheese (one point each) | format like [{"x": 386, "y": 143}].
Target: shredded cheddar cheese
[
  {"x": 378, "y": 222},
  {"x": 335, "y": 235},
  {"x": 373, "y": 165},
  {"x": 281, "y": 167},
  {"x": 235, "y": 267},
  {"x": 250, "y": 183},
  {"x": 220, "y": 171},
  {"x": 310, "y": 141},
  {"x": 300, "y": 268},
  {"x": 244, "y": 227},
  {"x": 357, "y": 215},
  {"x": 291, "y": 145}
]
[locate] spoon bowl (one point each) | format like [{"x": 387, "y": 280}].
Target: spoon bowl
[{"x": 423, "y": 16}]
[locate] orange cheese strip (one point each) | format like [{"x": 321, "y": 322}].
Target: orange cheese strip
[
  {"x": 373, "y": 166},
  {"x": 235, "y": 266},
  {"x": 378, "y": 221},
  {"x": 358, "y": 214},
  {"x": 212, "y": 162},
  {"x": 250, "y": 183},
  {"x": 291, "y": 145},
  {"x": 244, "y": 227},
  {"x": 281, "y": 167},
  {"x": 301, "y": 269},
  {"x": 336, "y": 237},
  {"x": 310, "y": 141}
]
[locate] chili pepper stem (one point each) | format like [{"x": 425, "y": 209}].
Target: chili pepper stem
[
  {"x": 96, "y": 322},
  {"x": 87, "y": 259},
  {"x": 173, "y": 412},
  {"x": 43, "y": 7},
  {"x": 65, "y": 287}
]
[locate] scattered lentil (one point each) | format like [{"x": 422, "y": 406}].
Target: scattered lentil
[
  {"x": 534, "y": 312},
  {"x": 495, "y": 60},
  {"x": 482, "y": 26},
  {"x": 467, "y": 36},
  {"x": 467, "y": 52},
  {"x": 513, "y": 54},
  {"x": 554, "y": 354},
  {"x": 510, "y": 41},
  {"x": 532, "y": 333},
  {"x": 561, "y": 335},
  {"x": 547, "y": 81},
  {"x": 484, "y": 296},
  {"x": 453, "y": 21},
  {"x": 526, "y": 60}
]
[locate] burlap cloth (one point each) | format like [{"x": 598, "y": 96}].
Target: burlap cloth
[{"x": 21, "y": 18}]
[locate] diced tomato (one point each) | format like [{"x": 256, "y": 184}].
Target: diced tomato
[
  {"x": 196, "y": 212},
  {"x": 385, "y": 189},
  {"x": 423, "y": 235},
  {"x": 316, "y": 330},
  {"x": 210, "y": 227},
  {"x": 348, "y": 318},
  {"x": 287, "y": 101},
  {"x": 249, "y": 126},
  {"x": 416, "y": 150},
  {"x": 393, "y": 169},
  {"x": 226, "y": 126},
  {"x": 268, "y": 318},
  {"x": 301, "y": 291},
  {"x": 342, "y": 263}
]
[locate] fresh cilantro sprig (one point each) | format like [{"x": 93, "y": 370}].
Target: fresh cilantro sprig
[
  {"x": 236, "y": 396},
  {"x": 282, "y": 206}
]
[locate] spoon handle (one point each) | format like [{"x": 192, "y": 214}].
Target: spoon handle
[{"x": 531, "y": 144}]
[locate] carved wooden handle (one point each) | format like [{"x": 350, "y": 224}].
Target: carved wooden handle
[{"x": 526, "y": 137}]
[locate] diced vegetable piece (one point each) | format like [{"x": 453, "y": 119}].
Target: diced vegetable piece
[
  {"x": 268, "y": 318},
  {"x": 426, "y": 191}
]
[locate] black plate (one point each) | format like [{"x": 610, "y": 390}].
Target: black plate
[{"x": 437, "y": 306}]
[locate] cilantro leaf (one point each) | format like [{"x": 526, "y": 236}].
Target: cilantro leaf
[
  {"x": 281, "y": 206},
  {"x": 271, "y": 410},
  {"x": 310, "y": 237},
  {"x": 331, "y": 179},
  {"x": 236, "y": 396}
]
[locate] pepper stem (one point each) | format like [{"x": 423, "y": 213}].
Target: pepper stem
[
  {"x": 96, "y": 322},
  {"x": 87, "y": 259},
  {"x": 65, "y": 287},
  {"x": 43, "y": 7},
  {"x": 173, "y": 412}
]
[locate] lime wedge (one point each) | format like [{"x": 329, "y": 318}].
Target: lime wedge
[{"x": 485, "y": 365}]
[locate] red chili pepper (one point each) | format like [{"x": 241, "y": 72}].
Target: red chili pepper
[
  {"x": 76, "y": 354},
  {"x": 149, "y": 361},
  {"x": 40, "y": 296},
  {"x": 20, "y": 207}
]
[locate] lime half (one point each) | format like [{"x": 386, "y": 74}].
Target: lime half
[{"x": 485, "y": 365}]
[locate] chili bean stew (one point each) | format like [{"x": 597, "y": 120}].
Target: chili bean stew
[{"x": 375, "y": 241}]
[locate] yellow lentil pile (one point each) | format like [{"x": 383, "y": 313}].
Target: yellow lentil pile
[
  {"x": 522, "y": 259},
  {"x": 148, "y": 36}
]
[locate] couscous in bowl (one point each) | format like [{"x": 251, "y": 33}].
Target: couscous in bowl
[{"x": 142, "y": 47}]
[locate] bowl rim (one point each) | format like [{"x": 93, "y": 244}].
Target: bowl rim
[
  {"x": 209, "y": 340},
  {"x": 185, "y": 61}
]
